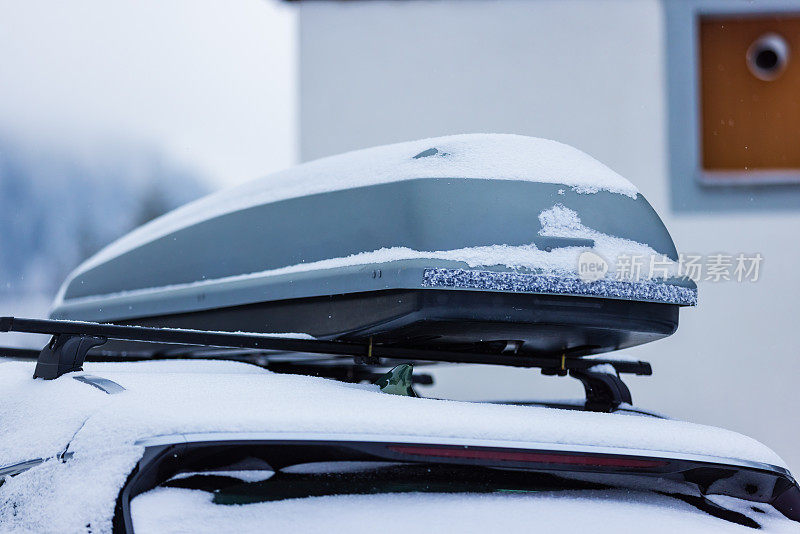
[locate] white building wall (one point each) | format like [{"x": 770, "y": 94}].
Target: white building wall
[{"x": 589, "y": 73}]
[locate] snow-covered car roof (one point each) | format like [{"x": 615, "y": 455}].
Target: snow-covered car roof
[
  {"x": 172, "y": 397},
  {"x": 105, "y": 434}
]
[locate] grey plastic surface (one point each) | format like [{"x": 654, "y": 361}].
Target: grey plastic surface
[
  {"x": 404, "y": 274},
  {"x": 423, "y": 214}
]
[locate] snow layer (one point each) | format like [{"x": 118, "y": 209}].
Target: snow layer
[
  {"x": 244, "y": 476},
  {"x": 560, "y": 221},
  {"x": 648, "y": 291},
  {"x": 469, "y": 156},
  {"x": 172, "y": 510},
  {"x": 42, "y": 419},
  {"x": 231, "y": 396}
]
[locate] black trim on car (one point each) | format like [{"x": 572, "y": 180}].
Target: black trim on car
[{"x": 168, "y": 456}]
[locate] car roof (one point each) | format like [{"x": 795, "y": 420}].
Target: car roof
[{"x": 165, "y": 398}]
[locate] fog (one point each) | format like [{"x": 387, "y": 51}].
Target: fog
[{"x": 210, "y": 84}]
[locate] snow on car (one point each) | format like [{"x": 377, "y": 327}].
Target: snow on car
[
  {"x": 78, "y": 446},
  {"x": 462, "y": 249}
]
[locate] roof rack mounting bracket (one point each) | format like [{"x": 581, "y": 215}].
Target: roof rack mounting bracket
[
  {"x": 65, "y": 353},
  {"x": 604, "y": 391}
]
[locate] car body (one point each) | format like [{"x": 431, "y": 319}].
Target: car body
[{"x": 158, "y": 447}]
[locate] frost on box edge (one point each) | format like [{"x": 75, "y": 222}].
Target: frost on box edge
[{"x": 648, "y": 291}]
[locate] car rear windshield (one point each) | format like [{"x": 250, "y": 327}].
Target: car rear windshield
[
  {"x": 362, "y": 478},
  {"x": 352, "y": 495}
]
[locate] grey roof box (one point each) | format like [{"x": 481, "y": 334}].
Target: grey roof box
[{"x": 474, "y": 242}]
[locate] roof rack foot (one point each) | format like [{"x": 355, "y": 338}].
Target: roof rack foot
[
  {"x": 65, "y": 353},
  {"x": 604, "y": 391}
]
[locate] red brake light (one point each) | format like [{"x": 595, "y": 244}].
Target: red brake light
[{"x": 526, "y": 456}]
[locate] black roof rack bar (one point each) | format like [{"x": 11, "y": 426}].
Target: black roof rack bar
[
  {"x": 343, "y": 372},
  {"x": 100, "y": 332},
  {"x": 18, "y": 353},
  {"x": 72, "y": 341}
]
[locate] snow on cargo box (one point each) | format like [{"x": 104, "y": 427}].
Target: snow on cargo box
[{"x": 479, "y": 241}]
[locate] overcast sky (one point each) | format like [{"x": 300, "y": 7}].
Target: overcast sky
[{"x": 210, "y": 83}]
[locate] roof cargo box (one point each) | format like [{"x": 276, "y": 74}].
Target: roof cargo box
[{"x": 472, "y": 242}]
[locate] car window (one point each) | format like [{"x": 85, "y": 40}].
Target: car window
[{"x": 396, "y": 497}]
